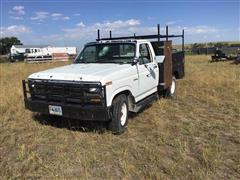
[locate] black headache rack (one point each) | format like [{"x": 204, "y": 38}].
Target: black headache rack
[
  {"x": 75, "y": 98},
  {"x": 157, "y": 36}
]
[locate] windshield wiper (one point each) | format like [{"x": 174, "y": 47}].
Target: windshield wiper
[{"x": 102, "y": 61}]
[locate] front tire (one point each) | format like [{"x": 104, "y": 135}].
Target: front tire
[{"x": 119, "y": 119}]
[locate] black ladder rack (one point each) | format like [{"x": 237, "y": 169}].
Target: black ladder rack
[{"x": 153, "y": 36}]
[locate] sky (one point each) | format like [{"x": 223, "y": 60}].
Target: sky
[{"x": 74, "y": 23}]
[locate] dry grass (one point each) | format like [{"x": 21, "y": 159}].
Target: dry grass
[{"x": 195, "y": 136}]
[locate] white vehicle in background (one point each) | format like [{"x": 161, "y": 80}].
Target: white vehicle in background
[
  {"x": 35, "y": 52},
  {"x": 18, "y": 52},
  {"x": 41, "y": 52},
  {"x": 50, "y": 52},
  {"x": 109, "y": 78}
]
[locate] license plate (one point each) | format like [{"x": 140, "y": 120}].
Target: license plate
[{"x": 55, "y": 110}]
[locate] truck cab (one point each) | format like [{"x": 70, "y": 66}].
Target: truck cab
[{"x": 108, "y": 79}]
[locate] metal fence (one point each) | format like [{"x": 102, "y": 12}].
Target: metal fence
[{"x": 212, "y": 50}]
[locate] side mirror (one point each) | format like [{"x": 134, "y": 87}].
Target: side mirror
[{"x": 135, "y": 61}]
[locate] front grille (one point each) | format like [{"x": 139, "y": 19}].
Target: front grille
[{"x": 67, "y": 92}]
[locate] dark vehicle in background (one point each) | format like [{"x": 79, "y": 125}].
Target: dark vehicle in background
[
  {"x": 219, "y": 55},
  {"x": 16, "y": 57}
]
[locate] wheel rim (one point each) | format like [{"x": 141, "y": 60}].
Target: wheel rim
[
  {"x": 173, "y": 86},
  {"x": 123, "y": 118}
]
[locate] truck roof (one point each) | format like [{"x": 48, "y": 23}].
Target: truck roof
[{"x": 118, "y": 41}]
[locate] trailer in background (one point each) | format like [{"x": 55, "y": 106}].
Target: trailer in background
[
  {"x": 32, "y": 53},
  {"x": 18, "y": 52},
  {"x": 67, "y": 50}
]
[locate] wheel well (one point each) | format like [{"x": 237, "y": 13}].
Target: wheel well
[
  {"x": 130, "y": 97},
  {"x": 176, "y": 74}
]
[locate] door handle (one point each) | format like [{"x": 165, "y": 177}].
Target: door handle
[
  {"x": 148, "y": 75},
  {"x": 155, "y": 66}
]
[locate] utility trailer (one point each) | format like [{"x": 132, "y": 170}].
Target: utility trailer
[{"x": 237, "y": 59}]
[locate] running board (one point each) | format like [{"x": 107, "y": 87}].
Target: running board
[{"x": 143, "y": 103}]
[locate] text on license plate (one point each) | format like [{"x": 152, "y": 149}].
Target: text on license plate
[{"x": 55, "y": 110}]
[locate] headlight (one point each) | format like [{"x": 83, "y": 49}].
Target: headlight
[{"x": 93, "y": 90}]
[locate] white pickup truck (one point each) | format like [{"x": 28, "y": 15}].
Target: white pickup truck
[{"x": 108, "y": 79}]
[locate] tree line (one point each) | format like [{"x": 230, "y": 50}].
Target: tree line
[
  {"x": 212, "y": 44},
  {"x": 6, "y": 44}
]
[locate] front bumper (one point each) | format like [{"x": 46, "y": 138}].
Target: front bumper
[{"x": 91, "y": 113}]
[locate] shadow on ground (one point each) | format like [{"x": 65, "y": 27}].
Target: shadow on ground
[
  {"x": 71, "y": 124},
  {"x": 79, "y": 125}
]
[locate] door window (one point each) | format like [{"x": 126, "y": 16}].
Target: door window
[{"x": 144, "y": 54}]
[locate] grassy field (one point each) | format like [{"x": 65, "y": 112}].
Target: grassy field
[
  {"x": 195, "y": 136},
  {"x": 3, "y": 58}
]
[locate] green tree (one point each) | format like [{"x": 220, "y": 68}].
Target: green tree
[
  {"x": 6, "y": 44},
  {"x": 221, "y": 44},
  {"x": 210, "y": 44},
  {"x": 197, "y": 45}
]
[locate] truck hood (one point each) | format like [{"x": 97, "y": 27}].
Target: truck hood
[{"x": 83, "y": 72}]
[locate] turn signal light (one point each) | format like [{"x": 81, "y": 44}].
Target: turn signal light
[
  {"x": 108, "y": 83},
  {"x": 95, "y": 100}
]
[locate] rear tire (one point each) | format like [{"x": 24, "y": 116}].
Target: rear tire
[
  {"x": 171, "y": 92},
  {"x": 119, "y": 119}
]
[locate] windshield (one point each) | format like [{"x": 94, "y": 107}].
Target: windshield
[{"x": 107, "y": 53}]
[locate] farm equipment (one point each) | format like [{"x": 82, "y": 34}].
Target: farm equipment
[
  {"x": 220, "y": 56},
  {"x": 237, "y": 59}
]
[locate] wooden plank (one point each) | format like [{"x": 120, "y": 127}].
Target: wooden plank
[{"x": 168, "y": 64}]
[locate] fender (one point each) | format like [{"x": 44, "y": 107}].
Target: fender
[{"x": 115, "y": 92}]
